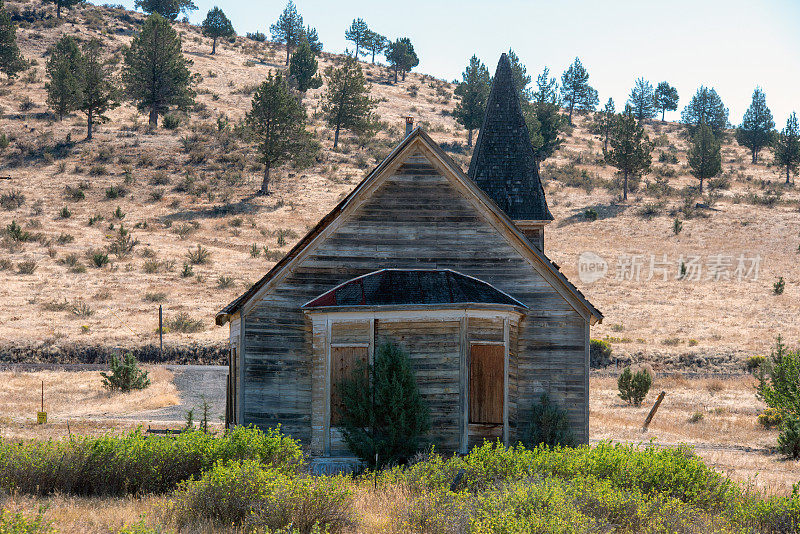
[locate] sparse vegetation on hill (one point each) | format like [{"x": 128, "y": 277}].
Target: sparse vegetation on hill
[{"x": 195, "y": 180}]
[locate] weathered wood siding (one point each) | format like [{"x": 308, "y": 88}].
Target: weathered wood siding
[
  {"x": 434, "y": 351},
  {"x": 416, "y": 219}
]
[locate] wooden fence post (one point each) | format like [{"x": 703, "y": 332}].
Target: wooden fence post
[{"x": 653, "y": 411}]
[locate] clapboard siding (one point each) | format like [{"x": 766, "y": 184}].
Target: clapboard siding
[
  {"x": 434, "y": 350},
  {"x": 414, "y": 221}
]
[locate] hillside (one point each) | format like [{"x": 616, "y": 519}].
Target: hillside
[{"x": 195, "y": 184}]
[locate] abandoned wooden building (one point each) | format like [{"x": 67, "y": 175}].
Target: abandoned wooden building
[{"x": 449, "y": 266}]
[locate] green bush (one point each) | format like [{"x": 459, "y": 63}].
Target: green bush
[
  {"x": 383, "y": 411},
  {"x": 185, "y": 324},
  {"x": 633, "y": 387},
  {"x": 550, "y": 425},
  {"x": 171, "y": 121},
  {"x": 125, "y": 375},
  {"x": 779, "y": 286},
  {"x": 135, "y": 463},
  {"x": 673, "y": 472},
  {"x": 777, "y": 381},
  {"x": 789, "y": 438},
  {"x": 19, "y": 523},
  {"x": 199, "y": 256},
  {"x": 770, "y": 418},
  {"x": 99, "y": 259},
  {"x": 599, "y": 352},
  {"x": 607, "y": 488},
  {"x": 245, "y": 492},
  {"x": 753, "y": 363}
]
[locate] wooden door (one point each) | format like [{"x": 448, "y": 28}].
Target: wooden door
[
  {"x": 486, "y": 377},
  {"x": 344, "y": 360},
  {"x": 230, "y": 404}
]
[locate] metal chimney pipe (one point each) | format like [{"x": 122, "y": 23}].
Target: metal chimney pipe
[{"x": 409, "y": 125}]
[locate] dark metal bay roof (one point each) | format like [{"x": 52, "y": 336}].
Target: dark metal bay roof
[
  {"x": 389, "y": 287},
  {"x": 503, "y": 162}
]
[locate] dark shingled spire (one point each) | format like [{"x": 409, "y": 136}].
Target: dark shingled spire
[{"x": 503, "y": 162}]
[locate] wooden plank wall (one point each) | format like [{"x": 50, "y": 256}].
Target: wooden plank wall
[
  {"x": 434, "y": 350},
  {"x": 417, "y": 219}
]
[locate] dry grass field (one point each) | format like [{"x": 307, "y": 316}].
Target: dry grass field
[
  {"x": 194, "y": 185},
  {"x": 717, "y": 416},
  {"x": 726, "y": 436}
]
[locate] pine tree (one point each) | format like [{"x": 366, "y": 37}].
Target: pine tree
[
  {"x": 402, "y": 57},
  {"x": 11, "y": 61},
  {"x": 630, "y": 148},
  {"x": 288, "y": 29},
  {"x": 277, "y": 124},
  {"x": 63, "y": 67},
  {"x": 706, "y": 107},
  {"x": 217, "y": 25},
  {"x": 383, "y": 412},
  {"x": 346, "y": 103},
  {"x": 375, "y": 43},
  {"x": 642, "y": 100},
  {"x": 550, "y": 425},
  {"x": 64, "y": 3},
  {"x": 607, "y": 122},
  {"x": 787, "y": 147},
  {"x": 169, "y": 9},
  {"x": 757, "y": 128},
  {"x": 666, "y": 98},
  {"x": 473, "y": 90},
  {"x": 357, "y": 33},
  {"x": 543, "y": 118},
  {"x": 98, "y": 91},
  {"x": 575, "y": 89},
  {"x": 546, "y": 87},
  {"x": 705, "y": 160},
  {"x": 303, "y": 68},
  {"x": 310, "y": 36},
  {"x": 156, "y": 74},
  {"x": 519, "y": 76},
  {"x": 125, "y": 375}
]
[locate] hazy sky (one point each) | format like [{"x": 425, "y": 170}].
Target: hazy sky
[{"x": 732, "y": 45}]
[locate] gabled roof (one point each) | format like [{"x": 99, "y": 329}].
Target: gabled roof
[
  {"x": 503, "y": 163},
  {"x": 389, "y": 287},
  {"x": 419, "y": 139}
]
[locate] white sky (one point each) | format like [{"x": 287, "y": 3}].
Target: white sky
[{"x": 732, "y": 45}]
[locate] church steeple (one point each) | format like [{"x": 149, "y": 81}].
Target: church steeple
[{"x": 503, "y": 163}]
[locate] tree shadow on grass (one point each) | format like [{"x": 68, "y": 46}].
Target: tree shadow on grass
[
  {"x": 604, "y": 211},
  {"x": 245, "y": 206}
]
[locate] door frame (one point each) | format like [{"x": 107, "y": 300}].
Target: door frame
[{"x": 467, "y": 355}]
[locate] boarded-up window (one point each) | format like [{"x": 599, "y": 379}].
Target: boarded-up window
[
  {"x": 344, "y": 360},
  {"x": 486, "y": 384}
]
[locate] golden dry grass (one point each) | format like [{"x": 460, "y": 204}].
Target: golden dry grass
[
  {"x": 728, "y": 426},
  {"x": 727, "y": 436},
  {"x": 706, "y": 317},
  {"x": 87, "y": 515},
  {"x": 70, "y": 395}
]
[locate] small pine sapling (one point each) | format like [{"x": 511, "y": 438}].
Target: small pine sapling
[
  {"x": 125, "y": 375},
  {"x": 633, "y": 387}
]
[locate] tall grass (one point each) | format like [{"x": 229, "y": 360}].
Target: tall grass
[
  {"x": 135, "y": 463},
  {"x": 245, "y": 492},
  {"x": 617, "y": 488}
]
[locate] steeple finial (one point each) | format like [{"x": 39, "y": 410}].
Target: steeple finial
[{"x": 503, "y": 163}]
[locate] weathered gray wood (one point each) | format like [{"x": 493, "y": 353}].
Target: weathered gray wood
[{"x": 415, "y": 221}]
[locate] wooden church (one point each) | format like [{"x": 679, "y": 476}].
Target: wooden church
[{"x": 449, "y": 266}]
